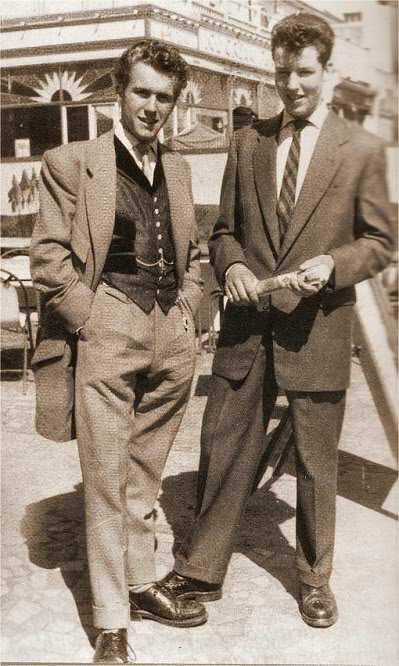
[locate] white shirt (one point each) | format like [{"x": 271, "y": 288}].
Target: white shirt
[
  {"x": 309, "y": 136},
  {"x": 130, "y": 143}
]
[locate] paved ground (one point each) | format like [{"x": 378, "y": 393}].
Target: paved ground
[{"x": 45, "y": 595}]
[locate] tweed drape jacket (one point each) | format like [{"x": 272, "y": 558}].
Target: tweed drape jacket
[{"x": 69, "y": 247}]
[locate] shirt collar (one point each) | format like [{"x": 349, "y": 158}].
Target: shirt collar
[
  {"x": 316, "y": 118},
  {"x": 130, "y": 142}
]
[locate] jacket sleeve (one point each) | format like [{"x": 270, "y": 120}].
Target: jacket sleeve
[
  {"x": 225, "y": 247},
  {"x": 53, "y": 272},
  {"x": 371, "y": 249}
]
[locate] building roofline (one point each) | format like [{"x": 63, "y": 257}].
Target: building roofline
[{"x": 307, "y": 6}]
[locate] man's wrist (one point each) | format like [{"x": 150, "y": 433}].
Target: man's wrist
[{"x": 228, "y": 269}]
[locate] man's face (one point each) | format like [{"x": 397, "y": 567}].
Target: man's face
[
  {"x": 146, "y": 102},
  {"x": 299, "y": 80}
]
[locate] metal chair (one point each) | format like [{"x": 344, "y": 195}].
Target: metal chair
[{"x": 16, "y": 325}]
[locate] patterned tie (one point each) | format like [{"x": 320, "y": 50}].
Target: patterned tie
[
  {"x": 144, "y": 150},
  {"x": 286, "y": 201}
]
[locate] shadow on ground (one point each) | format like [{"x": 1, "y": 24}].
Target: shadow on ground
[
  {"x": 259, "y": 537},
  {"x": 359, "y": 480},
  {"x": 54, "y": 531},
  {"x": 54, "y": 528}
]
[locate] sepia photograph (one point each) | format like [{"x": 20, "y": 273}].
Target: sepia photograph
[{"x": 199, "y": 332}]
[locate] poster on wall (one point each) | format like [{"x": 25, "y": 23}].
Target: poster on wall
[
  {"x": 20, "y": 187},
  {"x": 22, "y": 147}
]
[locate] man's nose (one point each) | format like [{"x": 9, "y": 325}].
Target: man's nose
[
  {"x": 293, "y": 81},
  {"x": 151, "y": 105}
]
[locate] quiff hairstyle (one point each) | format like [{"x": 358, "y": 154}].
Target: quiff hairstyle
[
  {"x": 162, "y": 57},
  {"x": 297, "y": 31}
]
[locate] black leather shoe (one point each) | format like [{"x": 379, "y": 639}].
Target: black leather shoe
[
  {"x": 190, "y": 588},
  {"x": 111, "y": 647},
  {"x": 317, "y": 605},
  {"x": 160, "y": 604}
]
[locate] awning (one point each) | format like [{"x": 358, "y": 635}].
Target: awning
[{"x": 197, "y": 137}]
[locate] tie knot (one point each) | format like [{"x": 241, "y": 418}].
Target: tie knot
[
  {"x": 300, "y": 124},
  {"x": 143, "y": 148}
]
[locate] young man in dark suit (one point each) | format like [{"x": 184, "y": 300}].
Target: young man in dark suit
[
  {"x": 115, "y": 258},
  {"x": 302, "y": 193}
]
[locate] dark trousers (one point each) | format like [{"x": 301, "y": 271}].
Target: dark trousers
[{"x": 232, "y": 441}]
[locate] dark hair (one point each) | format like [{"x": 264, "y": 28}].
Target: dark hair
[
  {"x": 162, "y": 57},
  {"x": 297, "y": 31}
]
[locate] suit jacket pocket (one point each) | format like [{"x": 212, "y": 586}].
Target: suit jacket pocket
[{"x": 337, "y": 299}]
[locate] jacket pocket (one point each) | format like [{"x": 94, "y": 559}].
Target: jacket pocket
[
  {"x": 80, "y": 244},
  {"x": 337, "y": 299},
  {"x": 48, "y": 349}
]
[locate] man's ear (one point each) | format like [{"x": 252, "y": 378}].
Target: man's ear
[{"x": 329, "y": 67}]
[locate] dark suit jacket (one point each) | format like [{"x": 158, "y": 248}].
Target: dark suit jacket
[
  {"x": 68, "y": 250},
  {"x": 342, "y": 210}
]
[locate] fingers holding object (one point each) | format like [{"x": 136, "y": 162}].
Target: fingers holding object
[
  {"x": 301, "y": 286},
  {"x": 242, "y": 291}
]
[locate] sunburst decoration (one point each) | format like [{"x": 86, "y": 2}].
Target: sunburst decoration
[
  {"x": 67, "y": 82},
  {"x": 191, "y": 94},
  {"x": 242, "y": 97}
]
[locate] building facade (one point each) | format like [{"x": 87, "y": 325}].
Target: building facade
[{"x": 57, "y": 83}]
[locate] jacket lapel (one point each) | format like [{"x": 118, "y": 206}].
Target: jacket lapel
[
  {"x": 100, "y": 196},
  {"x": 322, "y": 168},
  {"x": 180, "y": 208},
  {"x": 264, "y": 165}
]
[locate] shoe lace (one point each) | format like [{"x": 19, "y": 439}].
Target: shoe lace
[{"x": 114, "y": 642}]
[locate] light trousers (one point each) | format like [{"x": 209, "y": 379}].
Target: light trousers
[{"x": 133, "y": 377}]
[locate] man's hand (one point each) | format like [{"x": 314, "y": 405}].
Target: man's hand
[
  {"x": 312, "y": 275},
  {"x": 240, "y": 285}
]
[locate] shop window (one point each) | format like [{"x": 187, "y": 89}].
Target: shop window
[
  {"x": 217, "y": 124},
  {"x": 214, "y": 119},
  {"x": 78, "y": 123},
  {"x": 352, "y": 17},
  {"x": 105, "y": 117},
  {"x": 30, "y": 131}
]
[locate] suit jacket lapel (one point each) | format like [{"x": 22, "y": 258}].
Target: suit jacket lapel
[
  {"x": 100, "y": 196},
  {"x": 180, "y": 212},
  {"x": 322, "y": 168},
  {"x": 264, "y": 165}
]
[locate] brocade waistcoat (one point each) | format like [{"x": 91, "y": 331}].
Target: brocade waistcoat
[{"x": 141, "y": 256}]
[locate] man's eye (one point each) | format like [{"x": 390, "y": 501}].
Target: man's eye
[
  {"x": 141, "y": 92},
  {"x": 164, "y": 99}
]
